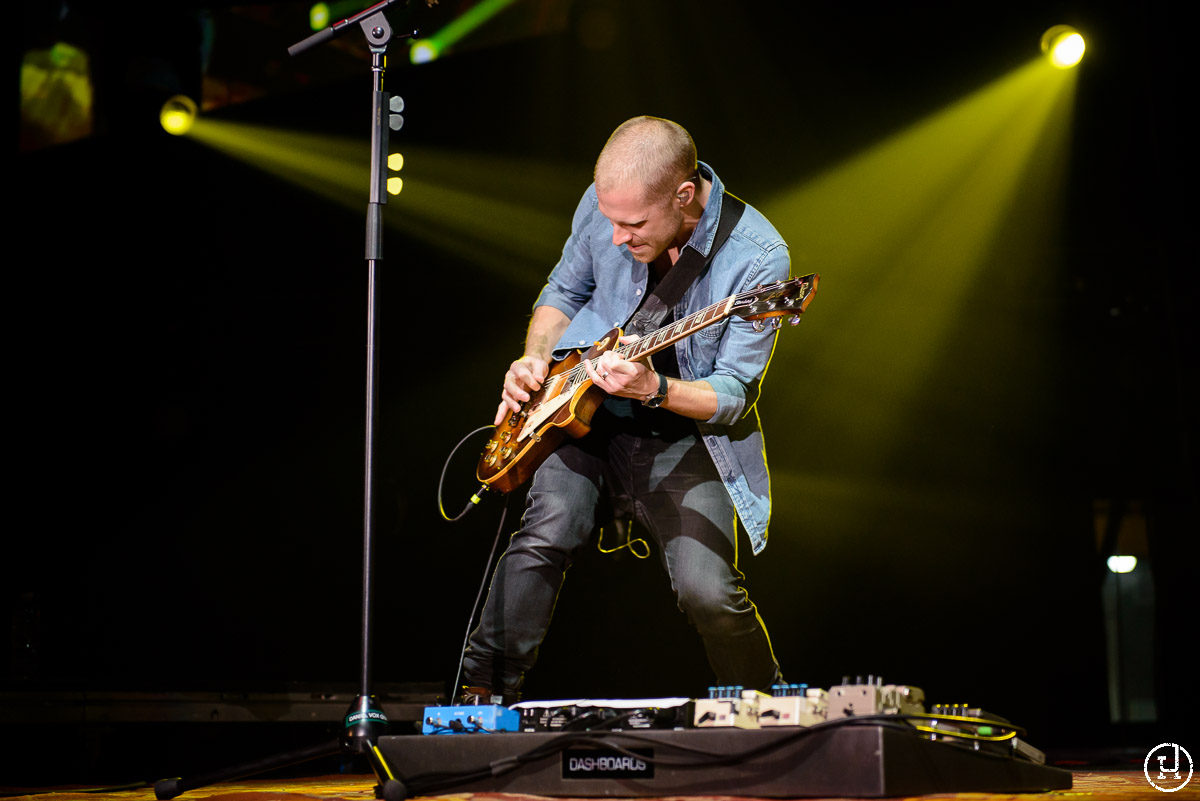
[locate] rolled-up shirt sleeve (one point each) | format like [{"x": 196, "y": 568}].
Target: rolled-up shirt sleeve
[{"x": 743, "y": 354}]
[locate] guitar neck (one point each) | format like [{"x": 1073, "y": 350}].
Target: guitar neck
[{"x": 680, "y": 329}]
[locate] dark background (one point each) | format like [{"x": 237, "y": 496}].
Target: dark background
[{"x": 186, "y": 335}]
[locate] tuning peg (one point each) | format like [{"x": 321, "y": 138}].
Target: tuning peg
[
  {"x": 758, "y": 325},
  {"x": 776, "y": 322},
  {"x": 794, "y": 320}
]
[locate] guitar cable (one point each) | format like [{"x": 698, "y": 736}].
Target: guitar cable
[
  {"x": 476, "y": 498},
  {"x": 487, "y": 571}
]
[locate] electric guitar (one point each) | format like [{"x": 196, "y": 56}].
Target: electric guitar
[{"x": 566, "y": 401}]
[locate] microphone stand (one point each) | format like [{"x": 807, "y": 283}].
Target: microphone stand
[{"x": 365, "y": 720}]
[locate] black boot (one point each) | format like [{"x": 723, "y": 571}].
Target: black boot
[{"x": 483, "y": 696}]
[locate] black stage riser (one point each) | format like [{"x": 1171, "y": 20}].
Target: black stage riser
[{"x": 860, "y": 760}]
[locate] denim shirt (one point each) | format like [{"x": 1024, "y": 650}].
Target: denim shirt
[{"x": 598, "y": 285}]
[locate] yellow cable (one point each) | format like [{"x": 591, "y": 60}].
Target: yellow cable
[
  {"x": 991, "y": 739},
  {"x": 629, "y": 545}
]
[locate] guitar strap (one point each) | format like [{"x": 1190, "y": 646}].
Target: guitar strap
[{"x": 687, "y": 267}]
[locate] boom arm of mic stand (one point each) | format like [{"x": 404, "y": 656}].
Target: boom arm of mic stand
[{"x": 337, "y": 28}]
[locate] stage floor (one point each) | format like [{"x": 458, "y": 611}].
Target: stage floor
[{"x": 1088, "y": 786}]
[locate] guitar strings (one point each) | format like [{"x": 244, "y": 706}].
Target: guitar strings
[{"x": 578, "y": 374}]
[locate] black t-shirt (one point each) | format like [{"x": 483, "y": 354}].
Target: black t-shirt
[{"x": 631, "y": 415}]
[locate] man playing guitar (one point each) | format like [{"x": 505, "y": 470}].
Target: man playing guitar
[{"x": 675, "y": 444}]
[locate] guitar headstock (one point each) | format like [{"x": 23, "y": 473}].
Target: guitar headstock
[{"x": 783, "y": 298}]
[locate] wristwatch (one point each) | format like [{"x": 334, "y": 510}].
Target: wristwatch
[{"x": 656, "y": 400}]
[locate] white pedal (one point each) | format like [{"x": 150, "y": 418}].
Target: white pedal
[
  {"x": 794, "y": 710},
  {"x": 739, "y": 713}
]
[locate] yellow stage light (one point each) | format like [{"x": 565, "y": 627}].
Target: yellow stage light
[
  {"x": 394, "y": 185},
  {"x": 177, "y": 115},
  {"x": 1063, "y": 46},
  {"x": 930, "y": 217},
  {"x": 395, "y": 162},
  {"x": 507, "y": 226}
]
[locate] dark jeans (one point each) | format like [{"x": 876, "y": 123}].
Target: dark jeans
[{"x": 670, "y": 486}]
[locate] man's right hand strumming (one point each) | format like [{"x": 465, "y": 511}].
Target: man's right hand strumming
[
  {"x": 527, "y": 373},
  {"x": 524, "y": 376}
]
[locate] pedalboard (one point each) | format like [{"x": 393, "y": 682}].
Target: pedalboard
[
  {"x": 735, "y": 707},
  {"x": 665, "y": 747}
]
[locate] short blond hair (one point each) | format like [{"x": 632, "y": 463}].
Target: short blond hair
[{"x": 650, "y": 152}]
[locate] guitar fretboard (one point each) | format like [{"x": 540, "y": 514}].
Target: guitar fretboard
[{"x": 655, "y": 341}]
